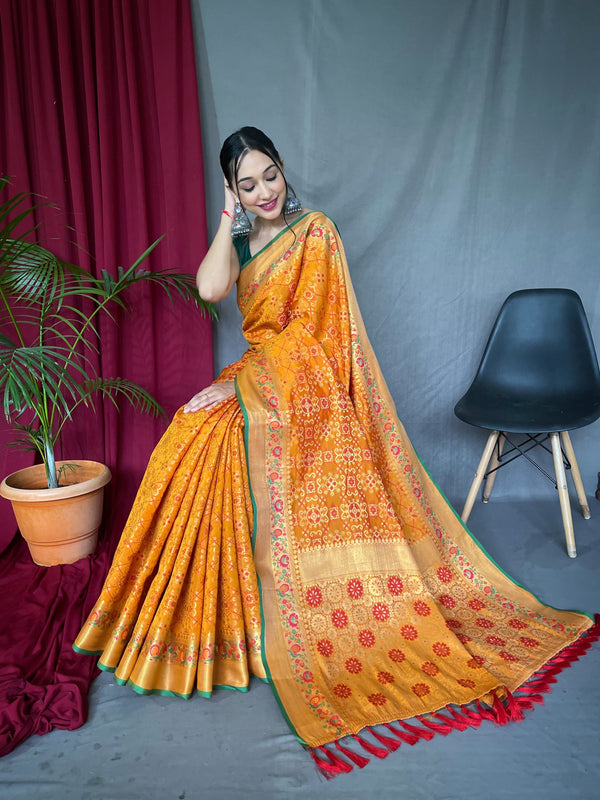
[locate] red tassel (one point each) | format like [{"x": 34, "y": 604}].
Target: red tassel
[
  {"x": 360, "y": 761},
  {"x": 515, "y": 710},
  {"x": 471, "y": 720},
  {"x": 485, "y": 714},
  {"x": 421, "y": 733},
  {"x": 337, "y": 762},
  {"x": 536, "y": 698},
  {"x": 454, "y": 721},
  {"x": 391, "y": 744},
  {"x": 540, "y": 682},
  {"x": 541, "y": 685},
  {"x": 499, "y": 711},
  {"x": 371, "y": 748},
  {"x": 524, "y": 703},
  {"x": 326, "y": 768},
  {"x": 436, "y": 727},
  {"x": 472, "y": 715},
  {"x": 408, "y": 738}
]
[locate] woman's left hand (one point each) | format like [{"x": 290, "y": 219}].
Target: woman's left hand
[{"x": 210, "y": 396}]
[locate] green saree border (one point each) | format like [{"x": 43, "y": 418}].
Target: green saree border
[
  {"x": 263, "y": 658},
  {"x": 487, "y": 555},
  {"x": 161, "y": 692},
  {"x": 83, "y": 652},
  {"x": 274, "y": 239}
]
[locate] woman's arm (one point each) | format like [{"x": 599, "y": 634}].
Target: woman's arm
[{"x": 220, "y": 267}]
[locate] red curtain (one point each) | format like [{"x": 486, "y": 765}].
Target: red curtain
[{"x": 100, "y": 116}]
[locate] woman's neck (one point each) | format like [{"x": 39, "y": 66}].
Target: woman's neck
[{"x": 268, "y": 229}]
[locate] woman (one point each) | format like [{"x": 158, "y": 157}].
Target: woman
[{"x": 286, "y": 528}]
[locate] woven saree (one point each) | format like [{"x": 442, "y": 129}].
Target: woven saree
[{"x": 291, "y": 532}]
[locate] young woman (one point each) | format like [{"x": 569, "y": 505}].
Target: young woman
[{"x": 286, "y": 528}]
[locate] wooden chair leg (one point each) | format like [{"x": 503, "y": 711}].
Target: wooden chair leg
[
  {"x": 563, "y": 495},
  {"x": 489, "y": 484},
  {"x": 568, "y": 447},
  {"x": 485, "y": 460}
]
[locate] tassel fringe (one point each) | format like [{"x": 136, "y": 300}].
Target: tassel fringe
[
  {"x": 360, "y": 761},
  {"x": 499, "y": 707},
  {"x": 371, "y": 748}
]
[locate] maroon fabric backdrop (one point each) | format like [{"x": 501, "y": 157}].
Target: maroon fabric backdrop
[{"x": 99, "y": 110}]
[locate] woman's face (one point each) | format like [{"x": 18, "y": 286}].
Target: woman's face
[{"x": 260, "y": 185}]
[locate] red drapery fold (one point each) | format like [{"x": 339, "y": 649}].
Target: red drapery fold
[{"x": 100, "y": 116}]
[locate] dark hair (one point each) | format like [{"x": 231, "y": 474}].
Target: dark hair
[
  {"x": 235, "y": 148},
  {"x": 238, "y": 144}
]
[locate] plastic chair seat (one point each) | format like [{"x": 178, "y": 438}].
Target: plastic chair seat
[{"x": 499, "y": 409}]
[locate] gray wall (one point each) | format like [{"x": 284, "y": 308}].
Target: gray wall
[{"x": 456, "y": 144}]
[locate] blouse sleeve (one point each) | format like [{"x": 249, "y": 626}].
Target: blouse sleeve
[{"x": 242, "y": 248}]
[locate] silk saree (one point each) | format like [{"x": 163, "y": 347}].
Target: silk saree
[{"x": 292, "y": 533}]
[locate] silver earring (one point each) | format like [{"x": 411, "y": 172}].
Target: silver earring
[
  {"x": 292, "y": 205},
  {"x": 240, "y": 225}
]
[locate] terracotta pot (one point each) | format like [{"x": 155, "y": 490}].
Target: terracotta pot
[{"x": 59, "y": 525}]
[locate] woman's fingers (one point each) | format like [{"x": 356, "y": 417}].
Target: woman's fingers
[
  {"x": 230, "y": 199},
  {"x": 210, "y": 396}
]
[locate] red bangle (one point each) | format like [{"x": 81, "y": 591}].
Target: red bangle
[{"x": 226, "y": 212}]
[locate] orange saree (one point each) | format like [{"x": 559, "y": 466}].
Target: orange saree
[{"x": 294, "y": 534}]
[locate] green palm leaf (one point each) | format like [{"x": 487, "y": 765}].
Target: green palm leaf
[
  {"x": 32, "y": 376},
  {"x": 49, "y": 366},
  {"x": 115, "y": 388}
]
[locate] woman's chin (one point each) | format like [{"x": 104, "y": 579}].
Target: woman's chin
[{"x": 269, "y": 214}]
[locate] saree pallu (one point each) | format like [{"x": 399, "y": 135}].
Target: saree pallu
[{"x": 294, "y": 534}]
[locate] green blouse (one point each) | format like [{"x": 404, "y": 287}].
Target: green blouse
[{"x": 242, "y": 247}]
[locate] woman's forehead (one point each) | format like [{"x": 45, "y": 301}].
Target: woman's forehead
[{"x": 254, "y": 162}]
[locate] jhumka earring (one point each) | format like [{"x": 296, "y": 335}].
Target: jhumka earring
[
  {"x": 292, "y": 205},
  {"x": 240, "y": 225}
]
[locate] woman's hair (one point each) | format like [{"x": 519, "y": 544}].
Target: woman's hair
[
  {"x": 235, "y": 148},
  {"x": 238, "y": 144}
]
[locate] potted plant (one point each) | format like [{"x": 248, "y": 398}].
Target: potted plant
[{"x": 49, "y": 311}]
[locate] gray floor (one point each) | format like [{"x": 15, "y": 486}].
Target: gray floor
[{"x": 237, "y": 746}]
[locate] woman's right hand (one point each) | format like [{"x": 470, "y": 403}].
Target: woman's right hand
[{"x": 210, "y": 396}]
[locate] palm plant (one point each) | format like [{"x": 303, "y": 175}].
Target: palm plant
[{"x": 49, "y": 311}]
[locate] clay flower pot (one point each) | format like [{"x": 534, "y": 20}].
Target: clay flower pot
[{"x": 60, "y": 525}]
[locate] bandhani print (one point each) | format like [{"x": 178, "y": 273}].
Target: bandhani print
[{"x": 292, "y": 533}]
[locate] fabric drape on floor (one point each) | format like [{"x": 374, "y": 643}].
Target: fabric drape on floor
[{"x": 100, "y": 116}]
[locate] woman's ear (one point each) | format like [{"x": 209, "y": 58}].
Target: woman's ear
[{"x": 233, "y": 192}]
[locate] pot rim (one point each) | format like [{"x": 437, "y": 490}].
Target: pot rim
[{"x": 17, "y": 494}]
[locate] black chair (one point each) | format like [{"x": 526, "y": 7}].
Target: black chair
[{"x": 538, "y": 379}]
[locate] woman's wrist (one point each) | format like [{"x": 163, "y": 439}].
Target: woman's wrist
[{"x": 225, "y": 221}]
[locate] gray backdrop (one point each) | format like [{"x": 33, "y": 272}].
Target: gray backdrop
[{"x": 456, "y": 145}]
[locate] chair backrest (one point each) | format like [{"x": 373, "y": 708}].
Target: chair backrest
[{"x": 541, "y": 344}]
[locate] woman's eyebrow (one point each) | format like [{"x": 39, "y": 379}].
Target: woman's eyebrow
[{"x": 251, "y": 179}]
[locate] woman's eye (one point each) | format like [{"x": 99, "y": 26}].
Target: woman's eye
[
  {"x": 272, "y": 179},
  {"x": 248, "y": 188}
]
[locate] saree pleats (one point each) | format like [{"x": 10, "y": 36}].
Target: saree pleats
[{"x": 179, "y": 609}]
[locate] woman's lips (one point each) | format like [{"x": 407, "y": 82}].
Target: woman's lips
[{"x": 269, "y": 206}]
